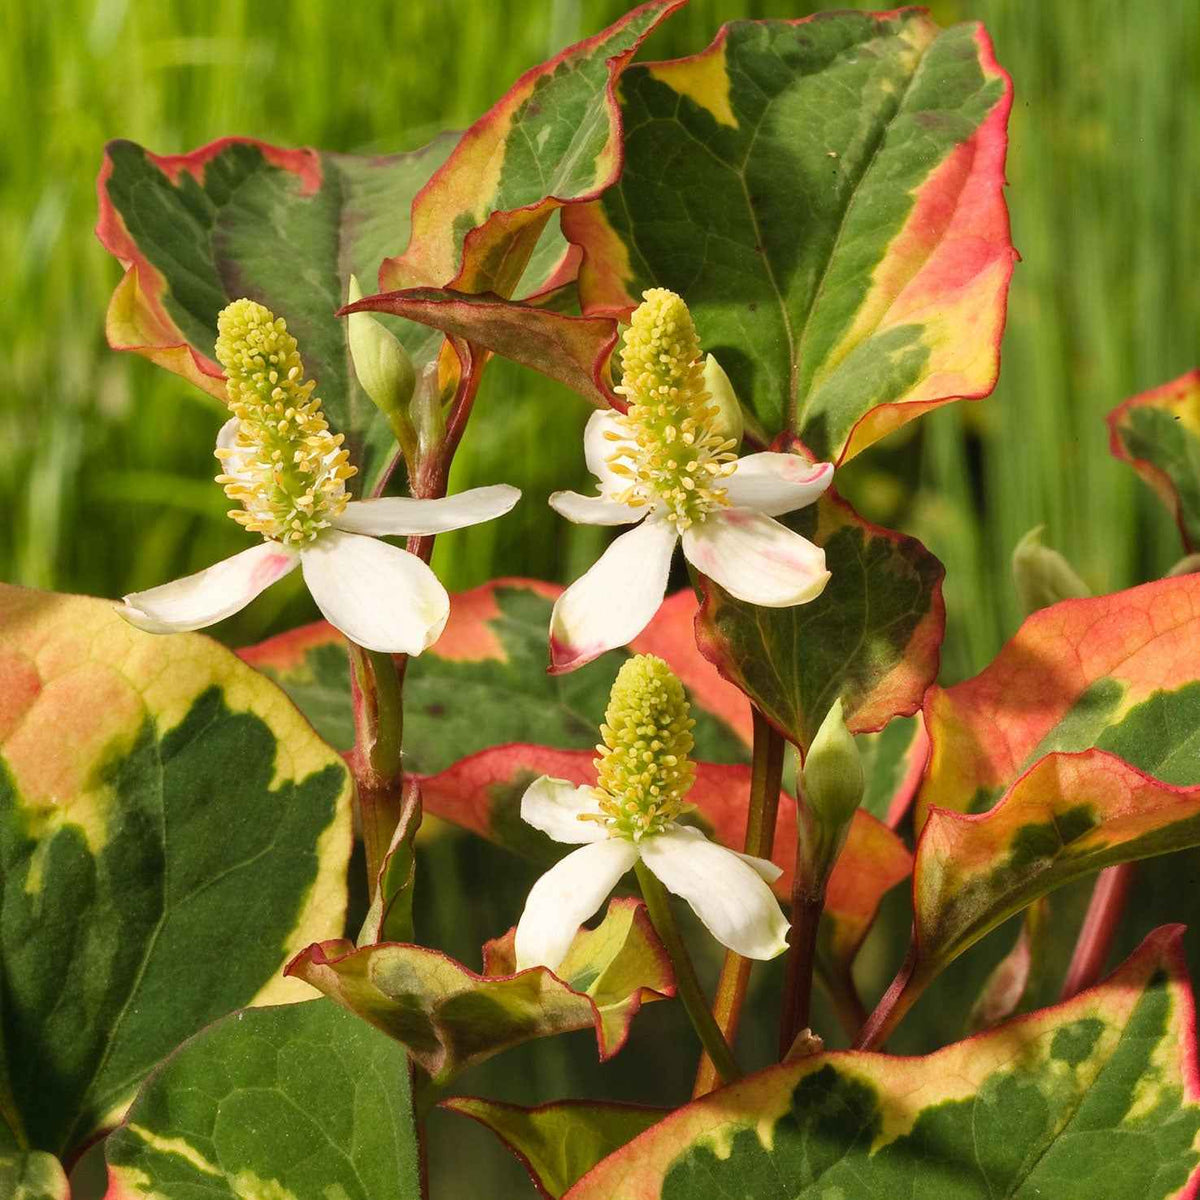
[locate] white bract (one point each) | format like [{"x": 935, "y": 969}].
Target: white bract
[
  {"x": 288, "y": 473},
  {"x": 644, "y": 772},
  {"x": 668, "y": 466}
]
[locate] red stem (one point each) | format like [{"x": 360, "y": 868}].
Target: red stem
[
  {"x": 1099, "y": 929},
  {"x": 892, "y": 1007}
]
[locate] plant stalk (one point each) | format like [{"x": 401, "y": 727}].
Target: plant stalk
[
  {"x": 1099, "y": 929},
  {"x": 796, "y": 1013},
  {"x": 765, "y": 782},
  {"x": 377, "y": 761},
  {"x": 901, "y": 995},
  {"x": 687, "y": 986}
]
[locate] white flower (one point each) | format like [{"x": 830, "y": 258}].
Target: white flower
[
  {"x": 644, "y": 773},
  {"x": 288, "y": 473},
  {"x": 666, "y": 467}
]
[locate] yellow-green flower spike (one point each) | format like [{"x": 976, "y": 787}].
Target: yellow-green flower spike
[
  {"x": 670, "y": 452},
  {"x": 285, "y": 468},
  {"x": 644, "y": 770}
]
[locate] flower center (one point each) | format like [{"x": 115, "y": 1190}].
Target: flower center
[
  {"x": 644, "y": 769},
  {"x": 285, "y": 468},
  {"x": 669, "y": 454}
]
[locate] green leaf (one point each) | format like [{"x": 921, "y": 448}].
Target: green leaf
[
  {"x": 302, "y": 1102},
  {"x": 553, "y": 139},
  {"x": 492, "y": 659},
  {"x": 872, "y": 637},
  {"x": 1158, "y": 433},
  {"x": 241, "y": 218},
  {"x": 893, "y": 761},
  {"x": 826, "y": 194},
  {"x": 449, "y": 1017},
  {"x": 559, "y": 1143},
  {"x": 1116, "y": 672},
  {"x": 171, "y": 832},
  {"x": 1095, "y": 1097}
]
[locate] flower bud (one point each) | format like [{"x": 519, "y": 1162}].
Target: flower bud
[
  {"x": 383, "y": 368},
  {"x": 833, "y": 772},
  {"x": 730, "y": 422},
  {"x": 1043, "y": 576}
]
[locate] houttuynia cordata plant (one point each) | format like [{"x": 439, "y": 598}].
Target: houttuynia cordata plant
[{"x": 754, "y": 263}]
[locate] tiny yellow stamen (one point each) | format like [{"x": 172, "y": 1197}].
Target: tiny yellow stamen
[
  {"x": 285, "y": 467},
  {"x": 644, "y": 769},
  {"x": 671, "y": 452}
]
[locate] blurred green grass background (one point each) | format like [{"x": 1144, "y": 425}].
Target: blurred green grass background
[{"x": 106, "y": 461}]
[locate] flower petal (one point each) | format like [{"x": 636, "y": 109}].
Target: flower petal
[
  {"x": 554, "y": 806},
  {"x": 210, "y": 595},
  {"x": 393, "y": 515},
  {"x": 756, "y": 559},
  {"x": 570, "y": 892},
  {"x": 598, "y": 448},
  {"x": 776, "y": 483},
  {"x": 614, "y": 601},
  {"x": 764, "y": 866},
  {"x": 594, "y": 510},
  {"x": 378, "y": 595},
  {"x": 727, "y": 894}
]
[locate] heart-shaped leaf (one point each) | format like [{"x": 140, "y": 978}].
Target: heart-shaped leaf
[
  {"x": 826, "y": 194},
  {"x": 552, "y": 139},
  {"x": 171, "y": 832},
  {"x": 1117, "y": 672},
  {"x": 558, "y": 1143},
  {"x": 241, "y": 218},
  {"x": 304, "y": 1102},
  {"x": 492, "y": 658},
  {"x": 1158, "y": 434},
  {"x": 872, "y": 637},
  {"x": 449, "y": 1017},
  {"x": 1095, "y": 1097}
]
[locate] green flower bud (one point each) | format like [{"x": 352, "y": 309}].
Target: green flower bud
[
  {"x": 833, "y": 771},
  {"x": 1043, "y": 576},
  {"x": 729, "y": 422},
  {"x": 383, "y": 368}
]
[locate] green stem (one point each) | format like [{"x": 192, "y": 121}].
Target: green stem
[
  {"x": 377, "y": 759},
  {"x": 686, "y": 984},
  {"x": 766, "y": 776}
]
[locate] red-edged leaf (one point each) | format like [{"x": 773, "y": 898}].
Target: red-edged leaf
[
  {"x": 241, "y": 218},
  {"x": 1158, "y": 434},
  {"x": 449, "y": 1017},
  {"x": 553, "y": 139},
  {"x": 1068, "y": 816},
  {"x": 1119, "y": 672},
  {"x": 1098, "y": 1097},
  {"x": 872, "y": 637},
  {"x": 573, "y": 350},
  {"x": 827, "y": 196}
]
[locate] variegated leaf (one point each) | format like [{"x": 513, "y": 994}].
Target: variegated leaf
[
  {"x": 241, "y": 218},
  {"x": 1158, "y": 433},
  {"x": 171, "y": 832},
  {"x": 826, "y": 194},
  {"x": 304, "y": 1102},
  {"x": 1093, "y": 1098},
  {"x": 872, "y": 637},
  {"x": 449, "y": 1017}
]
